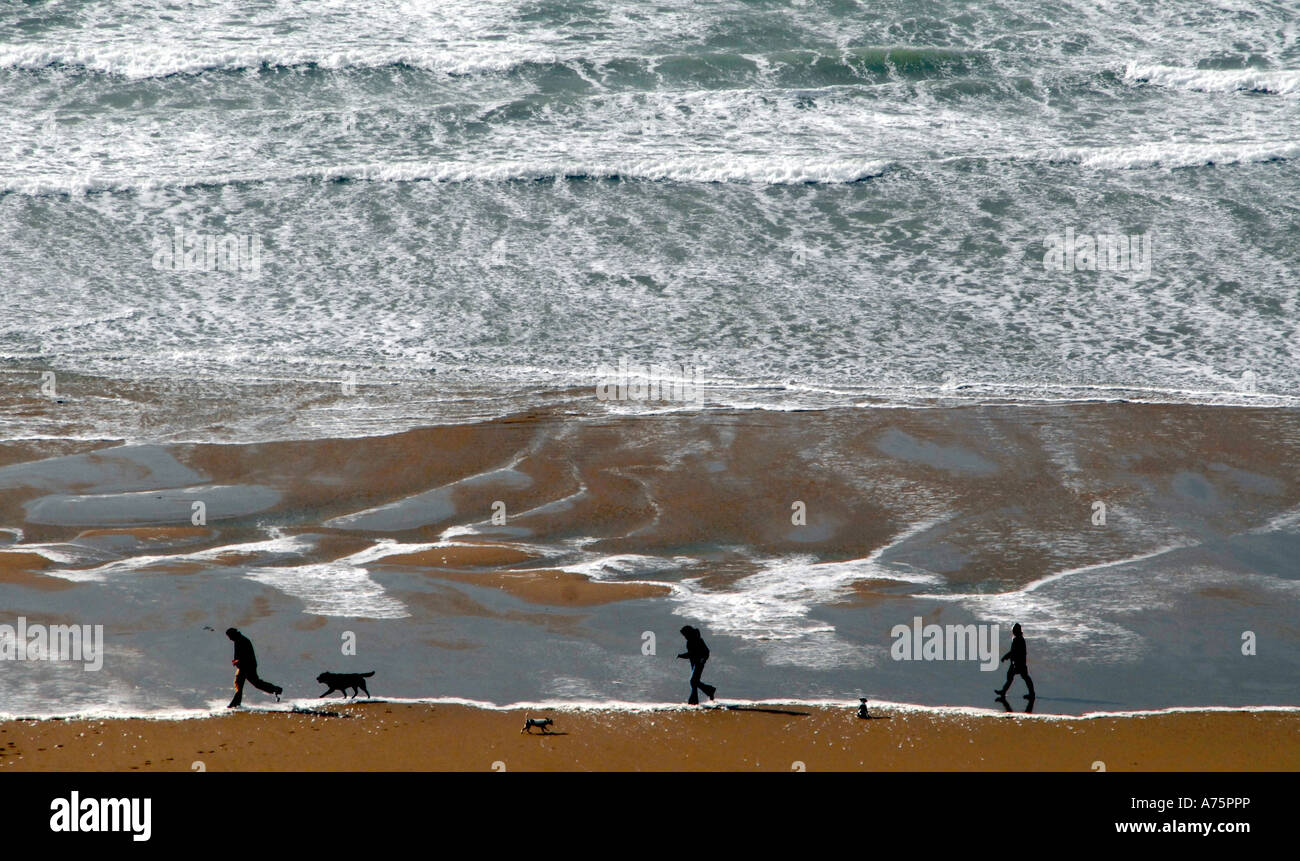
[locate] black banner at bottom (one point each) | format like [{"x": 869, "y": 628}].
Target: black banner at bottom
[{"x": 535, "y": 812}]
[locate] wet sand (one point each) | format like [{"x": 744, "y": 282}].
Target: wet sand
[
  {"x": 380, "y": 736},
  {"x": 1007, "y": 489},
  {"x": 528, "y": 558},
  {"x": 24, "y": 569}
]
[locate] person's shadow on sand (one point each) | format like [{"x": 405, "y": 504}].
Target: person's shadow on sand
[{"x": 1006, "y": 706}]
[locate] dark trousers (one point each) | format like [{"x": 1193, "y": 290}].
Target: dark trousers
[
  {"x": 250, "y": 675},
  {"x": 697, "y": 685},
  {"x": 1023, "y": 672}
]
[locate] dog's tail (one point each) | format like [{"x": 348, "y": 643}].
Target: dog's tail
[{"x": 366, "y": 675}]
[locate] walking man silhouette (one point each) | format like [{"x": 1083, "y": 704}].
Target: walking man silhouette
[
  {"x": 1019, "y": 666},
  {"x": 246, "y": 669},
  {"x": 697, "y": 653}
]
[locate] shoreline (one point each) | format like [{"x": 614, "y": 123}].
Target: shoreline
[
  {"x": 305, "y": 705},
  {"x": 380, "y": 735},
  {"x": 527, "y": 559}
]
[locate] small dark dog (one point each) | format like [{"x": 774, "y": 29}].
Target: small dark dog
[
  {"x": 342, "y": 681},
  {"x": 543, "y": 724}
]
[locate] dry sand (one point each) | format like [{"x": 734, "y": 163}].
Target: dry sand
[{"x": 381, "y": 736}]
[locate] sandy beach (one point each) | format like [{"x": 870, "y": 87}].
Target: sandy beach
[
  {"x": 382, "y": 736},
  {"x": 539, "y": 372},
  {"x": 552, "y": 558}
]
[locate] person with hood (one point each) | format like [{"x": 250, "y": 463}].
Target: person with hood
[
  {"x": 697, "y": 653},
  {"x": 246, "y": 669},
  {"x": 1019, "y": 665}
]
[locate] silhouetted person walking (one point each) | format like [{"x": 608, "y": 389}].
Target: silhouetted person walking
[
  {"x": 246, "y": 669},
  {"x": 697, "y": 653},
  {"x": 1019, "y": 665}
]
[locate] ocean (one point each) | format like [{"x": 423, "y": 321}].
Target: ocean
[{"x": 500, "y": 335}]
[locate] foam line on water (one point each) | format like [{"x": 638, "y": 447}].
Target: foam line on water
[
  {"x": 774, "y": 603},
  {"x": 753, "y": 170},
  {"x": 1276, "y": 81},
  {"x": 278, "y": 543},
  {"x": 340, "y": 587},
  {"x": 1035, "y": 585},
  {"x": 1169, "y": 155},
  {"x": 308, "y": 707},
  {"x": 136, "y": 64}
]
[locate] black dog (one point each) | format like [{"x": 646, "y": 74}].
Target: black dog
[
  {"x": 342, "y": 681},
  {"x": 544, "y": 724}
]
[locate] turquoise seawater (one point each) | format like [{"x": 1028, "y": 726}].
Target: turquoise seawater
[{"x": 811, "y": 202}]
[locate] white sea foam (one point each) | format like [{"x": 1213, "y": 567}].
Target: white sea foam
[
  {"x": 1061, "y": 575},
  {"x": 721, "y": 168},
  {"x": 623, "y": 566},
  {"x": 774, "y": 604},
  {"x": 430, "y": 506},
  {"x": 1279, "y": 81},
  {"x": 341, "y": 587},
  {"x": 1286, "y": 521},
  {"x": 1170, "y": 155},
  {"x": 277, "y": 545},
  {"x": 1088, "y": 606},
  {"x": 312, "y": 708},
  {"x": 61, "y": 554},
  {"x": 332, "y": 589},
  {"x": 134, "y": 62},
  {"x": 138, "y": 63}
]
